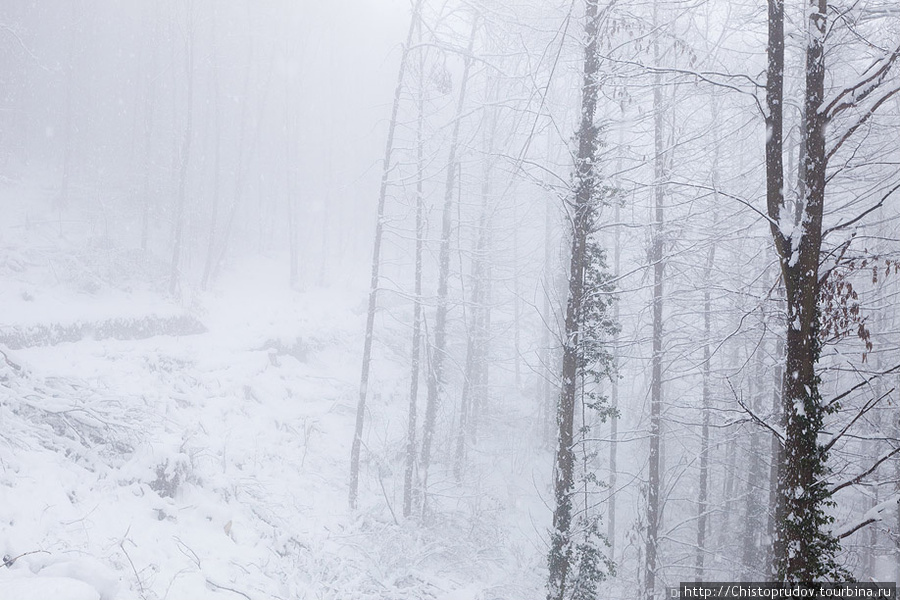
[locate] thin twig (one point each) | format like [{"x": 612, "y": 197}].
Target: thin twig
[
  {"x": 862, "y": 411},
  {"x": 843, "y": 395},
  {"x": 383, "y": 491},
  {"x": 133, "y": 569},
  {"x": 222, "y": 587},
  {"x": 8, "y": 562},
  {"x": 862, "y": 475},
  {"x": 754, "y": 416}
]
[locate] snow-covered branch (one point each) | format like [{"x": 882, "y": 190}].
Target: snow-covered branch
[
  {"x": 873, "y": 515},
  {"x": 854, "y": 480}
]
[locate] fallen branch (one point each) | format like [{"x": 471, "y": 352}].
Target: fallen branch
[
  {"x": 222, "y": 587},
  {"x": 9, "y": 561}
]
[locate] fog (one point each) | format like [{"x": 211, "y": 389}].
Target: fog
[{"x": 460, "y": 300}]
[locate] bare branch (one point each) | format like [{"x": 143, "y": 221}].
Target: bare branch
[
  {"x": 860, "y": 216},
  {"x": 873, "y": 80},
  {"x": 755, "y": 417},
  {"x": 863, "y": 475},
  {"x": 843, "y": 395},
  {"x": 865, "y": 408},
  {"x": 704, "y": 76},
  {"x": 873, "y": 515},
  {"x": 859, "y": 123}
]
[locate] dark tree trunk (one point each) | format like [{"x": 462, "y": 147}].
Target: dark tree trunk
[
  {"x": 803, "y": 548},
  {"x": 751, "y": 538},
  {"x": 583, "y": 211}
]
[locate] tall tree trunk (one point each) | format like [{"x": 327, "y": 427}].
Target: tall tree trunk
[
  {"x": 804, "y": 549},
  {"x": 217, "y": 162},
  {"x": 245, "y": 151},
  {"x": 149, "y": 122},
  {"x": 411, "y": 444},
  {"x": 614, "y": 394},
  {"x": 185, "y": 154},
  {"x": 552, "y": 289},
  {"x": 439, "y": 348},
  {"x": 774, "y": 460},
  {"x": 751, "y": 539},
  {"x": 475, "y": 376},
  {"x": 376, "y": 262},
  {"x": 656, "y": 387},
  {"x": 703, "y": 492},
  {"x": 583, "y": 215}
]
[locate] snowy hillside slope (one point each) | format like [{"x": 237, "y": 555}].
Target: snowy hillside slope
[{"x": 214, "y": 465}]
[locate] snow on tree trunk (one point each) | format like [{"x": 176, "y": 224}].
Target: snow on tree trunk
[
  {"x": 656, "y": 387},
  {"x": 804, "y": 550},
  {"x": 576, "y": 565}
]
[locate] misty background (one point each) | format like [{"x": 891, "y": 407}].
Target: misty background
[{"x": 191, "y": 192}]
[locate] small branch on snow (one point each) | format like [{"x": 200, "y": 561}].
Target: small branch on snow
[
  {"x": 9, "y": 561},
  {"x": 130, "y": 562},
  {"x": 216, "y": 586}
]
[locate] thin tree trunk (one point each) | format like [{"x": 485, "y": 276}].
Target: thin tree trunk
[
  {"x": 751, "y": 538},
  {"x": 185, "y": 153},
  {"x": 656, "y": 387},
  {"x": 476, "y": 356},
  {"x": 376, "y": 260},
  {"x": 217, "y": 162},
  {"x": 548, "y": 394},
  {"x": 436, "y": 372},
  {"x": 245, "y": 150},
  {"x": 774, "y": 459},
  {"x": 614, "y": 395},
  {"x": 149, "y": 117},
  {"x": 411, "y": 444},
  {"x": 703, "y": 493}
]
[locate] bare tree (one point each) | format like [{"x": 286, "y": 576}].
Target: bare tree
[
  {"x": 804, "y": 547},
  {"x": 376, "y": 262},
  {"x": 439, "y": 348},
  {"x": 411, "y": 443},
  {"x": 656, "y": 360}
]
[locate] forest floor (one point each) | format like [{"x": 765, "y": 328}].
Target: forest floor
[{"x": 215, "y": 464}]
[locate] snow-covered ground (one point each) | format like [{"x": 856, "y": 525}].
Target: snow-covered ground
[{"x": 215, "y": 465}]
